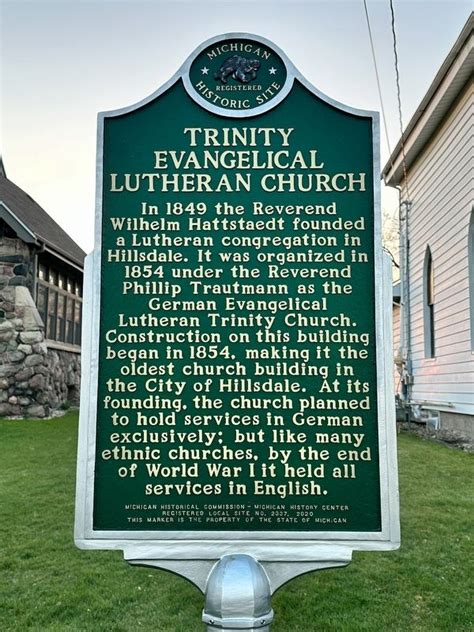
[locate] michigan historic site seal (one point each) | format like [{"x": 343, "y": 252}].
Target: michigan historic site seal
[{"x": 235, "y": 76}]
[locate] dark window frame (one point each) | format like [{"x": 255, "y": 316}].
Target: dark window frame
[
  {"x": 429, "y": 305},
  {"x": 56, "y": 323}
]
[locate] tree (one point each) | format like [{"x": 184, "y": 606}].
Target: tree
[{"x": 390, "y": 238}]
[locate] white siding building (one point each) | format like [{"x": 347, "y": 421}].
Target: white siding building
[
  {"x": 437, "y": 245},
  {"x": 396, "y": 339}
]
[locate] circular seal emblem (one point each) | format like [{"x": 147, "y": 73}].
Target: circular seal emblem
[{"x": 238, "y": 75}]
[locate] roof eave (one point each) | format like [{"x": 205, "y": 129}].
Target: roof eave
[
  {"x": 17, "y": 225},
  {"x": 448, "y": 83},
  {"x": 75, "y": 263}
]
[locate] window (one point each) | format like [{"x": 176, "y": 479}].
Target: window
[
  {"x": 42, "y": 302},
  {"x": 428, "y": 308},
  {"x": 77, "y": 322},
  {"x": 470, "y": 249},
  {"x": 59, "y": 303},
  {"x": 70, "y": 322},
  {"x": 60, "y": 320},
  {"x": 42, "y": 272},
  {"x": 51, "y": 321}
]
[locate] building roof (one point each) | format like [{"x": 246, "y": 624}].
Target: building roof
[
  {"x": 455, "y": 73},
  {"x": 29, "y": 214}
]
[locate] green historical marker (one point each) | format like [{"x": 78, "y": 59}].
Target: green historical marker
[{"x": 237, "y": 391}]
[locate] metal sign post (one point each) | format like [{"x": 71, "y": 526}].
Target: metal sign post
[{"x": 237, "y": 413}]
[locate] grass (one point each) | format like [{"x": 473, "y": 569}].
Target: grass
[{"x": 46, "y": 584}]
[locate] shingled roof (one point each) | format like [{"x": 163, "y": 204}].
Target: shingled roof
[{"x": 45, "y": 229}]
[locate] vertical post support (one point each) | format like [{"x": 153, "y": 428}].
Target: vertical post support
[{"x": 238, "y": 596}]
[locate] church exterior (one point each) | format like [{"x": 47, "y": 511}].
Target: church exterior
[
  {"x": 41, "y": 270},
  {"x": 434, "y": 312}
]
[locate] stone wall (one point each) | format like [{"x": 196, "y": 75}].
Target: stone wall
[
  {"x": 458, "y": 423},
  {"x": 16, "y": 264},
  {"x": 455, "y": 438},
  {"x": 63, "y": 378},
  {"x": 34, "y": 380}
]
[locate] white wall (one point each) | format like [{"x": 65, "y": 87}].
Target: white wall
[
  {"x": 396, "y": 345},
  {"x": 441, "y": 190}
]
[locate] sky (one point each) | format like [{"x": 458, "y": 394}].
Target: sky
[{"x": 64, "y": 61}]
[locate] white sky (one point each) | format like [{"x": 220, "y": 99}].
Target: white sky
[{"x": 65, "y": 60}]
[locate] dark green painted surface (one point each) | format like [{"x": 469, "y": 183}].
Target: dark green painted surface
[
  {"x": 259, "y": 74},
  {"x": 344, "y": 143}
]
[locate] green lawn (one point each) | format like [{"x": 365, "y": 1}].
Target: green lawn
[{"x": 47, "y": 584}]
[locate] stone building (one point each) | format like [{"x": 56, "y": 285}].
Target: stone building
[
  {"x": 41, "y": 270},
  {"x": 434, "y": 317}
]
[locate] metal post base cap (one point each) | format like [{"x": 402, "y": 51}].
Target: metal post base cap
[{"x": 240, "y": 623}]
